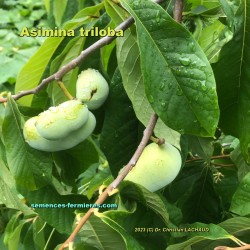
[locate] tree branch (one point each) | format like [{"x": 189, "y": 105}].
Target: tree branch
[
  {"x": 212, "y": 158},
  {"x": 222, "y": 165},
  {"x": 178, "y": 7},
  {"x": 75, "y": 62},
  {"x": 146, "y": 136}
]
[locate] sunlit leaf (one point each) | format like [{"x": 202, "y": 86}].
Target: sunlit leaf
[{"x": 178, "y": 78}]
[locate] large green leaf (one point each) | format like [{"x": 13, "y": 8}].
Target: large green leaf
[
  {"x": 128, "y": 54},
  {"x": 238, "y": 226},
  {"x": 100, "y": 235},
  {"x": 130, "y": 242},
  {"x": 8, "y": 194},
  {"x": 178, "y": 78},
  {"x": 214, "y": 232},
  {"x": 193, "y": 192},
  {"x": 13, "y": 231},
  {"x": 31, "y": 73},
  {"x": 61, "y": 218},
  {"x": 31, "y": 168},
  {"x": 145, "y": 197},
  {"x": 232, "y": 75},
  {"x": 235, "y": 225},
  {"x": 138, "y": 221},
  {"x": 238, "y": 159},
  {"x": 241, "y": 199},
  {"x": 101, "y": 177}
]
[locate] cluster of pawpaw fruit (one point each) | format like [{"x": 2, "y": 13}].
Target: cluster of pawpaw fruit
[{"x": 71, "y": 122}]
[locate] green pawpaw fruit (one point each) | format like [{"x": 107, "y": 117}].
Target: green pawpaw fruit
[
  {"x": 35, "y": 140},
  {"x": 157, "y": 166},
  {"x": 60, "y": 121},
  {"x": 92, "y": 88},
  {"x": 82, "y": 133}
]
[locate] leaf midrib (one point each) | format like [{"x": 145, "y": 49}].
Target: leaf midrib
[{"x": 169, "y": 67}]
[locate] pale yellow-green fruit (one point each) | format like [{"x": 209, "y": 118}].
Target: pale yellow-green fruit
[
  {"x": 157, "y": 166},
  {"x": 35, "y": 140},
  {"x": 60, "y": 121},
  {"x": 92, "y": 88}
]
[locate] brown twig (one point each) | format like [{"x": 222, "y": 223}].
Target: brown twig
[
  {"x": 222, "y": 165},
  {"x": 146, "y": 136},
  {"x": 178, "y": 7},
  {"x": 212, "y": 158}
]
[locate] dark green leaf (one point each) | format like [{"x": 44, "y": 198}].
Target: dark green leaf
[
  {"x": 76, "y": 160},
  {"x": 101, "y": 176},
  {"x": 98, "y": 234},
  {"x": 241, "y": 164},
  {"x": 59, "y": 218},
  {"x": 193, "y": 191},
  {"x": 235, "y": 225},
  {"x": 38, "y": 233},
  {"x": 229, "y": 8},
  {"x": 8, "y": 194},
  {"x": 71, "y": 9},
  {"x": 28, "y": 241},
  {"x": 232, "y": 76},
  {"x": 241, "y": 199},
  {"x": 177, "y": 75},
  {"x": 128, "y": 54},
  {"x": 227, "y": 185},
  {"x": 31, "y": 168},
  {"x": 2, "y": 152},
  {"x": 147, "y": 198},
  {"x": 214, "y": 232},
  {"x": 130, "y": 242},
  {"x": 201, "y": 146},
  {"x": 119, "y": 137}
]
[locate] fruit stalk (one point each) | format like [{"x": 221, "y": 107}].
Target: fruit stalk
[{"x": 64, "y": 90}]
